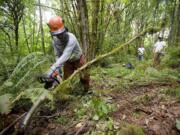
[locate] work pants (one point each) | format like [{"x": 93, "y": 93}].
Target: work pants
[{"x": 70, "y": 67}]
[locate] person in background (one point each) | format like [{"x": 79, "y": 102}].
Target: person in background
[
  {"x": 67, "y": 50},
  {"x": 158, "y": 50},
  {"x": 141, "y": 53}
]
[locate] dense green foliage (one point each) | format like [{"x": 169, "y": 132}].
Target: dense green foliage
[{"x": 25, "y": 52}]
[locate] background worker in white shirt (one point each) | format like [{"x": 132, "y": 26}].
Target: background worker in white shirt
[
  {"x": 141, "y": 53},
  {"x": 158, "y": 50}
]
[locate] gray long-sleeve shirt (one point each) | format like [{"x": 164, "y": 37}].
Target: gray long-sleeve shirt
[{"x": 69, "y": 52}]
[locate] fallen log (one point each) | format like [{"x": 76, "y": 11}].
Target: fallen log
[{"x": 33, "y": 110}]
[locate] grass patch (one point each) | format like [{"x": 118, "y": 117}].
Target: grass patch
[
  {"x": 174, "y": 92},
  {"x": 142, "y": 99},
  {"x": 61, "y": 120},
  {"x": 95, "y": 108},
  {"x": 130, "y": 129},
  {"x": 137, "y": 114}
]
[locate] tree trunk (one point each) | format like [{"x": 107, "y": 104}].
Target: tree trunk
[
  {"x": 25, "y": 35},
  {"x": 173, "y": 20},
  {"x": 94, "y": 32},
  {"x": 33, "y": 33},
  {"x": 101, "y": 32},
  {"x": 16, "y": 32},
  {"x": 15, "y": 8},
  {"x": 74, "y": 5},
  {"x": 84, "y": 31},
  {"x": 37, "y": 39},
  {"x": 174, "y": 36},
  {"x": 71, "y": 20},
  {"x": 41, "y": 27},
  {"x": 178, "y": 26},
  {"x": 8, "y": 42}
]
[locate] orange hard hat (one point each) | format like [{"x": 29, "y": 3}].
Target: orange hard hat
[{"x": 56, "y": 25}]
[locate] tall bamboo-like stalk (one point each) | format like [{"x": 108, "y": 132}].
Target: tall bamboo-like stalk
[
  {"x": 16, "y": 11},
  {"x": 41, "y": 27},
  {"x": 83, "y": 19},
  {"x": 25, "y": 34},
  {"x": 94, "y": 32}
]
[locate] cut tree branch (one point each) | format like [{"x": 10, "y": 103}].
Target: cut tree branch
[{"x": 34, "y": 109}]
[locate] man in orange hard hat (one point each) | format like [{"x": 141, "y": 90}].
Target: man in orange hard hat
[{"x": 67, "y": 51}]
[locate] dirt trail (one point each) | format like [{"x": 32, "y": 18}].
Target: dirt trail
[
  {"x": 145, "y": 106},
  {"x": 149, "y": 108}
]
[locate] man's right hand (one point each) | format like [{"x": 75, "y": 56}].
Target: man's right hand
[{"x": 50, "y": 73}]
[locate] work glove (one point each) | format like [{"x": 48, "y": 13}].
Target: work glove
[
  {"x": 50, "y": 72},
  {"x": 49, "y": 76},
  {"x": 55, "y": 73},
  {"x": 43, "y": 78},
  {"x": 49, "y": 81}
]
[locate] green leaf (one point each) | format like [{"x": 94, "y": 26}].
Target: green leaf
[
  {"x": 96, "y": 117},
  {"x": 8, "y": 84},
  {"x": 125, "y": 1},
  {"x": 5, "y": 103},
  {"x": 105, "y": 108},
  {"x": 178, "y": 124}
]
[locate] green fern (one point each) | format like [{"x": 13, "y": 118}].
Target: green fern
[
  {"x": 24, "y": 74},
  {"x": 29, "y": 73},
  {"x": 22, "y": 78},
  {"x": 3, "y": 70},
  {"x": 24, "y": 63},
  {"x": 5, "y": 103},
  {"x": 34, "y": 93}
]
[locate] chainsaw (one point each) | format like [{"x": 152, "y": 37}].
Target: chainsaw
[{"x": 50, "y": 82}]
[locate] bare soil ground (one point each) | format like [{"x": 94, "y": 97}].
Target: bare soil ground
[
  {"x": 149, "y": 108},
  {"x": 146, "y": 106}
]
